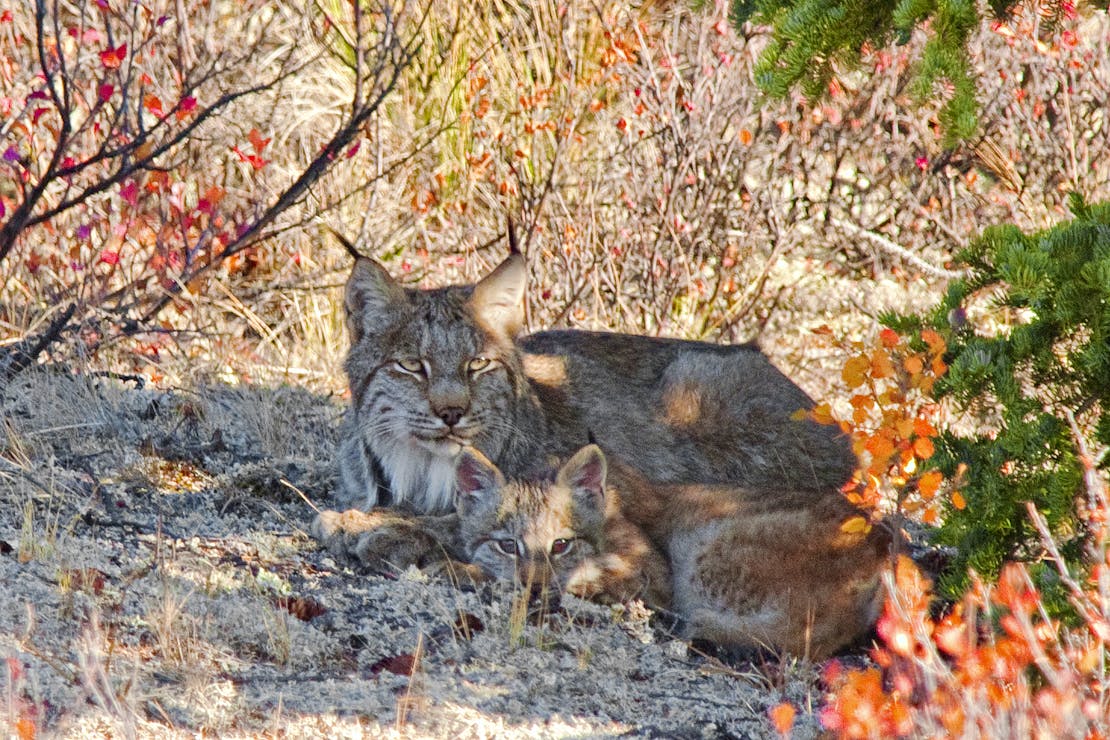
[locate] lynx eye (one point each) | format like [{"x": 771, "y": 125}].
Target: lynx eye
[
  {"x": 507, "y": 546},
  {"x": 478, "y": 364},
  {"x": 560, "y": 546},
  {"x": 411, "y": 366}
]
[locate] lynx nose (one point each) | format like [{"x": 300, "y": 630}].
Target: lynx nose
[{"x": 451, "y": 414}]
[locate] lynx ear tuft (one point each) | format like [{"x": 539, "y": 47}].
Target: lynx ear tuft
[
  {"x": 514, "y": 248},
  {"x": 584, "y": 474},
  {"x": 498, "y": 298},
  {"x": 476, "y": 479},
  {"x": 372, "y": 296}
]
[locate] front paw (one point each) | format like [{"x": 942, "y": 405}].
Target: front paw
[
  {"x": 338, "y": 531},
  {"x": 395, "y": 544}
]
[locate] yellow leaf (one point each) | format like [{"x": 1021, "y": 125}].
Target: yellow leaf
[
  {"x": 856, "y": 525},
  {"x": 855, "y": 370},
  {"x": 822, "y": 414}
]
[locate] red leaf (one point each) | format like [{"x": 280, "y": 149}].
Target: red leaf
[
  {"x": 255, "y": 161},
  {"x": 38, "y": 114},
  {"x": 6, "y": 17},
  {"x": 185, "y": 107},
  {"x": 257, "y": 141},
  {"x": 354, "y": 149},
  {"x": 105, "y": 91},
  {"x": 111, "y": 58},
  {"x": 130, "y": 192},
  {"x": 109, "y": 257}
]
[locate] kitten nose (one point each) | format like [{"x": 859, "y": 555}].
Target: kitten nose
[{"x": 451, "y": 415}]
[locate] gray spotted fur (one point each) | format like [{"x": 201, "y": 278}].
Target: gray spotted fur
[{"x": 676, "y": 411}]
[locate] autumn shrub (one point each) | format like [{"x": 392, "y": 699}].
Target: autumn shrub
[{"x": 138, "y": 182}]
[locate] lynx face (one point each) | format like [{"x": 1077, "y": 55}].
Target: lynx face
[
  {"x": 532, "y": 534},
  {"x": 430, "y": 371}
]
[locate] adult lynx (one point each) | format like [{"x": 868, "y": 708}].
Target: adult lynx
[{"x": 432, "y": 371}]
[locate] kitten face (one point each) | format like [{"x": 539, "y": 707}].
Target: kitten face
[
  {"x": 432, "y": 371},
  {"x": 534, "y": 534}
]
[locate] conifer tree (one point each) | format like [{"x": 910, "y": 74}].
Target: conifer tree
[
  {"x": 812, "y": 39},
  {"x": 1020, "y": 385}
]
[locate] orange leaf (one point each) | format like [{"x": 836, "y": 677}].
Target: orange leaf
[
  {"x": 782, "y": 717},
  {"x": 745, "y": 136},
  {"x": 923, "y": 428},
  {"x": 938, "y": 367},
  {"x": 889, "y": 338},
  {"x": 929, "y": 483},
  {"x": 934, "y": 340},
  {"x": 880, "y": 447},
  {"x": 823, "y": 330},
  {"x": 923, "y": 448},
  {"x": 958, "y": 501},
  {"x": 25, "y": 728},
  {"x": 881, "y": 366},
  {"x": 913, "y": 364},
  {"x": 153, "y": 104}
]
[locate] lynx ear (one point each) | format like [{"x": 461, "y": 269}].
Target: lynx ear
[
  {"x": 477, "y": 480},
  {"x": 498, "y": 298},
  {"x": 372, "y": 296},
  {"x": 584, "y": 474}
]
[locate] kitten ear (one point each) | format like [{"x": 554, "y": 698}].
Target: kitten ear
[
  {"x": 477, "y": 480},
  {"x": 371, "y": 297},
  {"x": 584, "y": 474},
  {"x": 498, "y": 298}
]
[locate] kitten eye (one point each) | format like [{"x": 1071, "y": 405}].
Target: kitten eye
[
  {"x": 560, "y": 546},
  {"x": 507, "y": 546},
  {"x": 414, "y": 367},
  {"x": 478, "y": 364}
]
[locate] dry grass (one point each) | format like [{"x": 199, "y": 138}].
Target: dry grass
[{"x": 656, "y": 193}]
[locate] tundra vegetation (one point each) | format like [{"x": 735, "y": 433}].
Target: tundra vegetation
[{"x": 906, "y": 207}]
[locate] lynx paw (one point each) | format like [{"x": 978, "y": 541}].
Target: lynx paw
[{"x": 394, "y": 545}]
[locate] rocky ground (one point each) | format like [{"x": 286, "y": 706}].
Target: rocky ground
[{"x": 158, "y": 582}]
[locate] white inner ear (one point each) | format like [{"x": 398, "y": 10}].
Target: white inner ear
[
  {"x": 498, "y": 298},
  {"x": 476, "y": 479},
  {"x": 585, "y": 475}
]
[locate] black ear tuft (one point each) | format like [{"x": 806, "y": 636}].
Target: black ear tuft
[
  {"x": 514, "y": 247},
  {"x": 351, "y": 249}
]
